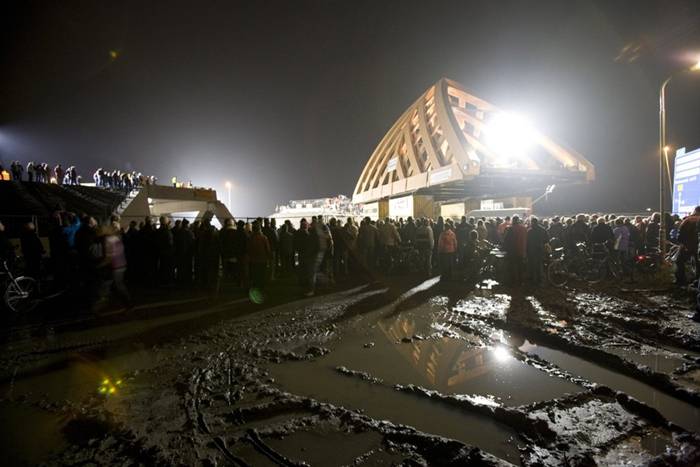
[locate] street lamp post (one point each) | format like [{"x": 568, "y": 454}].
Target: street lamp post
[{"x": 662, "y": 151}]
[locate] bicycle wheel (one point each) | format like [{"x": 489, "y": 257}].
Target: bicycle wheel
[
  {"x": 592, "y": 270},
  {"x": 615, "y": 268},
  {"x": 20, "y": 294},
  {"x": 557, "y": 273},
  {"x": 488, "y": 269}
]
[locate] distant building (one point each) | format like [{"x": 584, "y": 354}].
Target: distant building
[{"x": 339, "y": 207}]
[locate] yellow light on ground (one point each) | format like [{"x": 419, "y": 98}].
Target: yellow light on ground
[{"x": 109, "y": 387}]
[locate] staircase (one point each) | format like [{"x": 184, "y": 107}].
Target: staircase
[{"x": 125, "y": 203}]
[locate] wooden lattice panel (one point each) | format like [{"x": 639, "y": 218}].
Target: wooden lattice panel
[{"x": 439, "y": 139}]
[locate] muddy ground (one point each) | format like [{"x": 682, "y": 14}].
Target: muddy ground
[{"x": 404, "y": 372}]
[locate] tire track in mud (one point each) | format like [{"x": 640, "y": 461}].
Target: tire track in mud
[
  {"x": 545, "y": 334},
  {"x": 236, "y": 413},
  {"x": 290, "y": 414},
  {"x": 368, "y": 303},
  {"x": 545, "y": 444}
]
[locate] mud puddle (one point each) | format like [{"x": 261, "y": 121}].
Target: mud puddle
[
  {"x": 324, "y": 383},
  {"x": 679, "y": 412},
  {"x": 324, "y": 447},
  {"x": 636, "y": 450},
  {"x": 31, "y": 434},
  {"x": 654, "y": 360},
  {"x": 80, "y": 377}
]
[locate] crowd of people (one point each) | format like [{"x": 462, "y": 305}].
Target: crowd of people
[
  {"x": 43, "y": 173},
  {"x": 40, "y": 173},
  {"x": 249, "y": 254},
  {"x": 122, "y": 181}
]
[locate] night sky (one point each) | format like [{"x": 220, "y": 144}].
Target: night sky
[{"x": 288, "y": 99}]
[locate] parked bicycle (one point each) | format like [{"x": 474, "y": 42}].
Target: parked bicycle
[
  {"x": 19, "y": 292},
  {"x": 607, "y": 263},
  {"x": 408, "y": 259},
  {"x": 691, "y": 266},
  {"x": 490, "y": 262},
  {"x": 648, "y": 262},
  {"x": 576, "y": 265}
]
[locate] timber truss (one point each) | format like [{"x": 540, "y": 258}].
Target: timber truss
[{"x": 437, "y": 147}]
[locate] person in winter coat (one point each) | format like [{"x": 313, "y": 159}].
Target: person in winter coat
[
  {"x": 688, "y": 239},
  {"x": 622, "y": 243},
  {"x": 286, "y": 247},
  {"x": 602, "y": 233},
  {"x": 240, "y": 252},
  {"x": 425, "y": 243},
  {"x": 166, "y": 252},
  {"x": 184, "y": 252},
  {"x": 462, "y": 231},
  {"x": 447, "y": 248},
  {"x": 483, "y": 233},
  {"x": 228, "y": 258},
  {"x": 367, "y": 243},
  {"x": 269, "y": 229},
  {"x": 208, "y": 253},
  {"x": 259, "y": 254},
  {"x": 115, "y": 259},
  {"x": 651, "y": 234}
]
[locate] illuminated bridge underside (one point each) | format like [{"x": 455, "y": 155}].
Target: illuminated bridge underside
[{"x": 436, "y": 148}]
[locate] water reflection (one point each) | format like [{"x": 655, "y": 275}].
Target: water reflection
[
  {"x": 457, "y": 366},
  {"x": 673, "y": 409}
]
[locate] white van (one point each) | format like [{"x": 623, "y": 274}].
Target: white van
[{"x": 502, "y": 213}]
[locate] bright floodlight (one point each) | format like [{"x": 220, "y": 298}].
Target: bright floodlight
[
  {"x": 695, "y": 67},
  {"x": 228, "y": 185},
  {"x": 509, "y": 136}
]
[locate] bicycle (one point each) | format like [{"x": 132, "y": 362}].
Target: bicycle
[
  {"x": 691, "y": 266},
  {"x": 409, "y": 259},
  {"x": 19, "y": 292},
  {"x": 577, "y": 266},
  {"x": 490, "y": 261},
  {"x": 649, "y": 262},
  {"x": 608, "y": 264}
]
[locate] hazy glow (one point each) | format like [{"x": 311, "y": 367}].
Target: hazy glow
[
  {"x": 510, "y": 137},
  {"x": 695, "y": 67}
]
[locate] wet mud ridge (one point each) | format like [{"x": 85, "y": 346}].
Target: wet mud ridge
[{"x": 417, "y": 373}]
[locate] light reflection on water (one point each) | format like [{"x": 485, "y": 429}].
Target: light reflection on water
[{"x": 675, "y": 410}]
